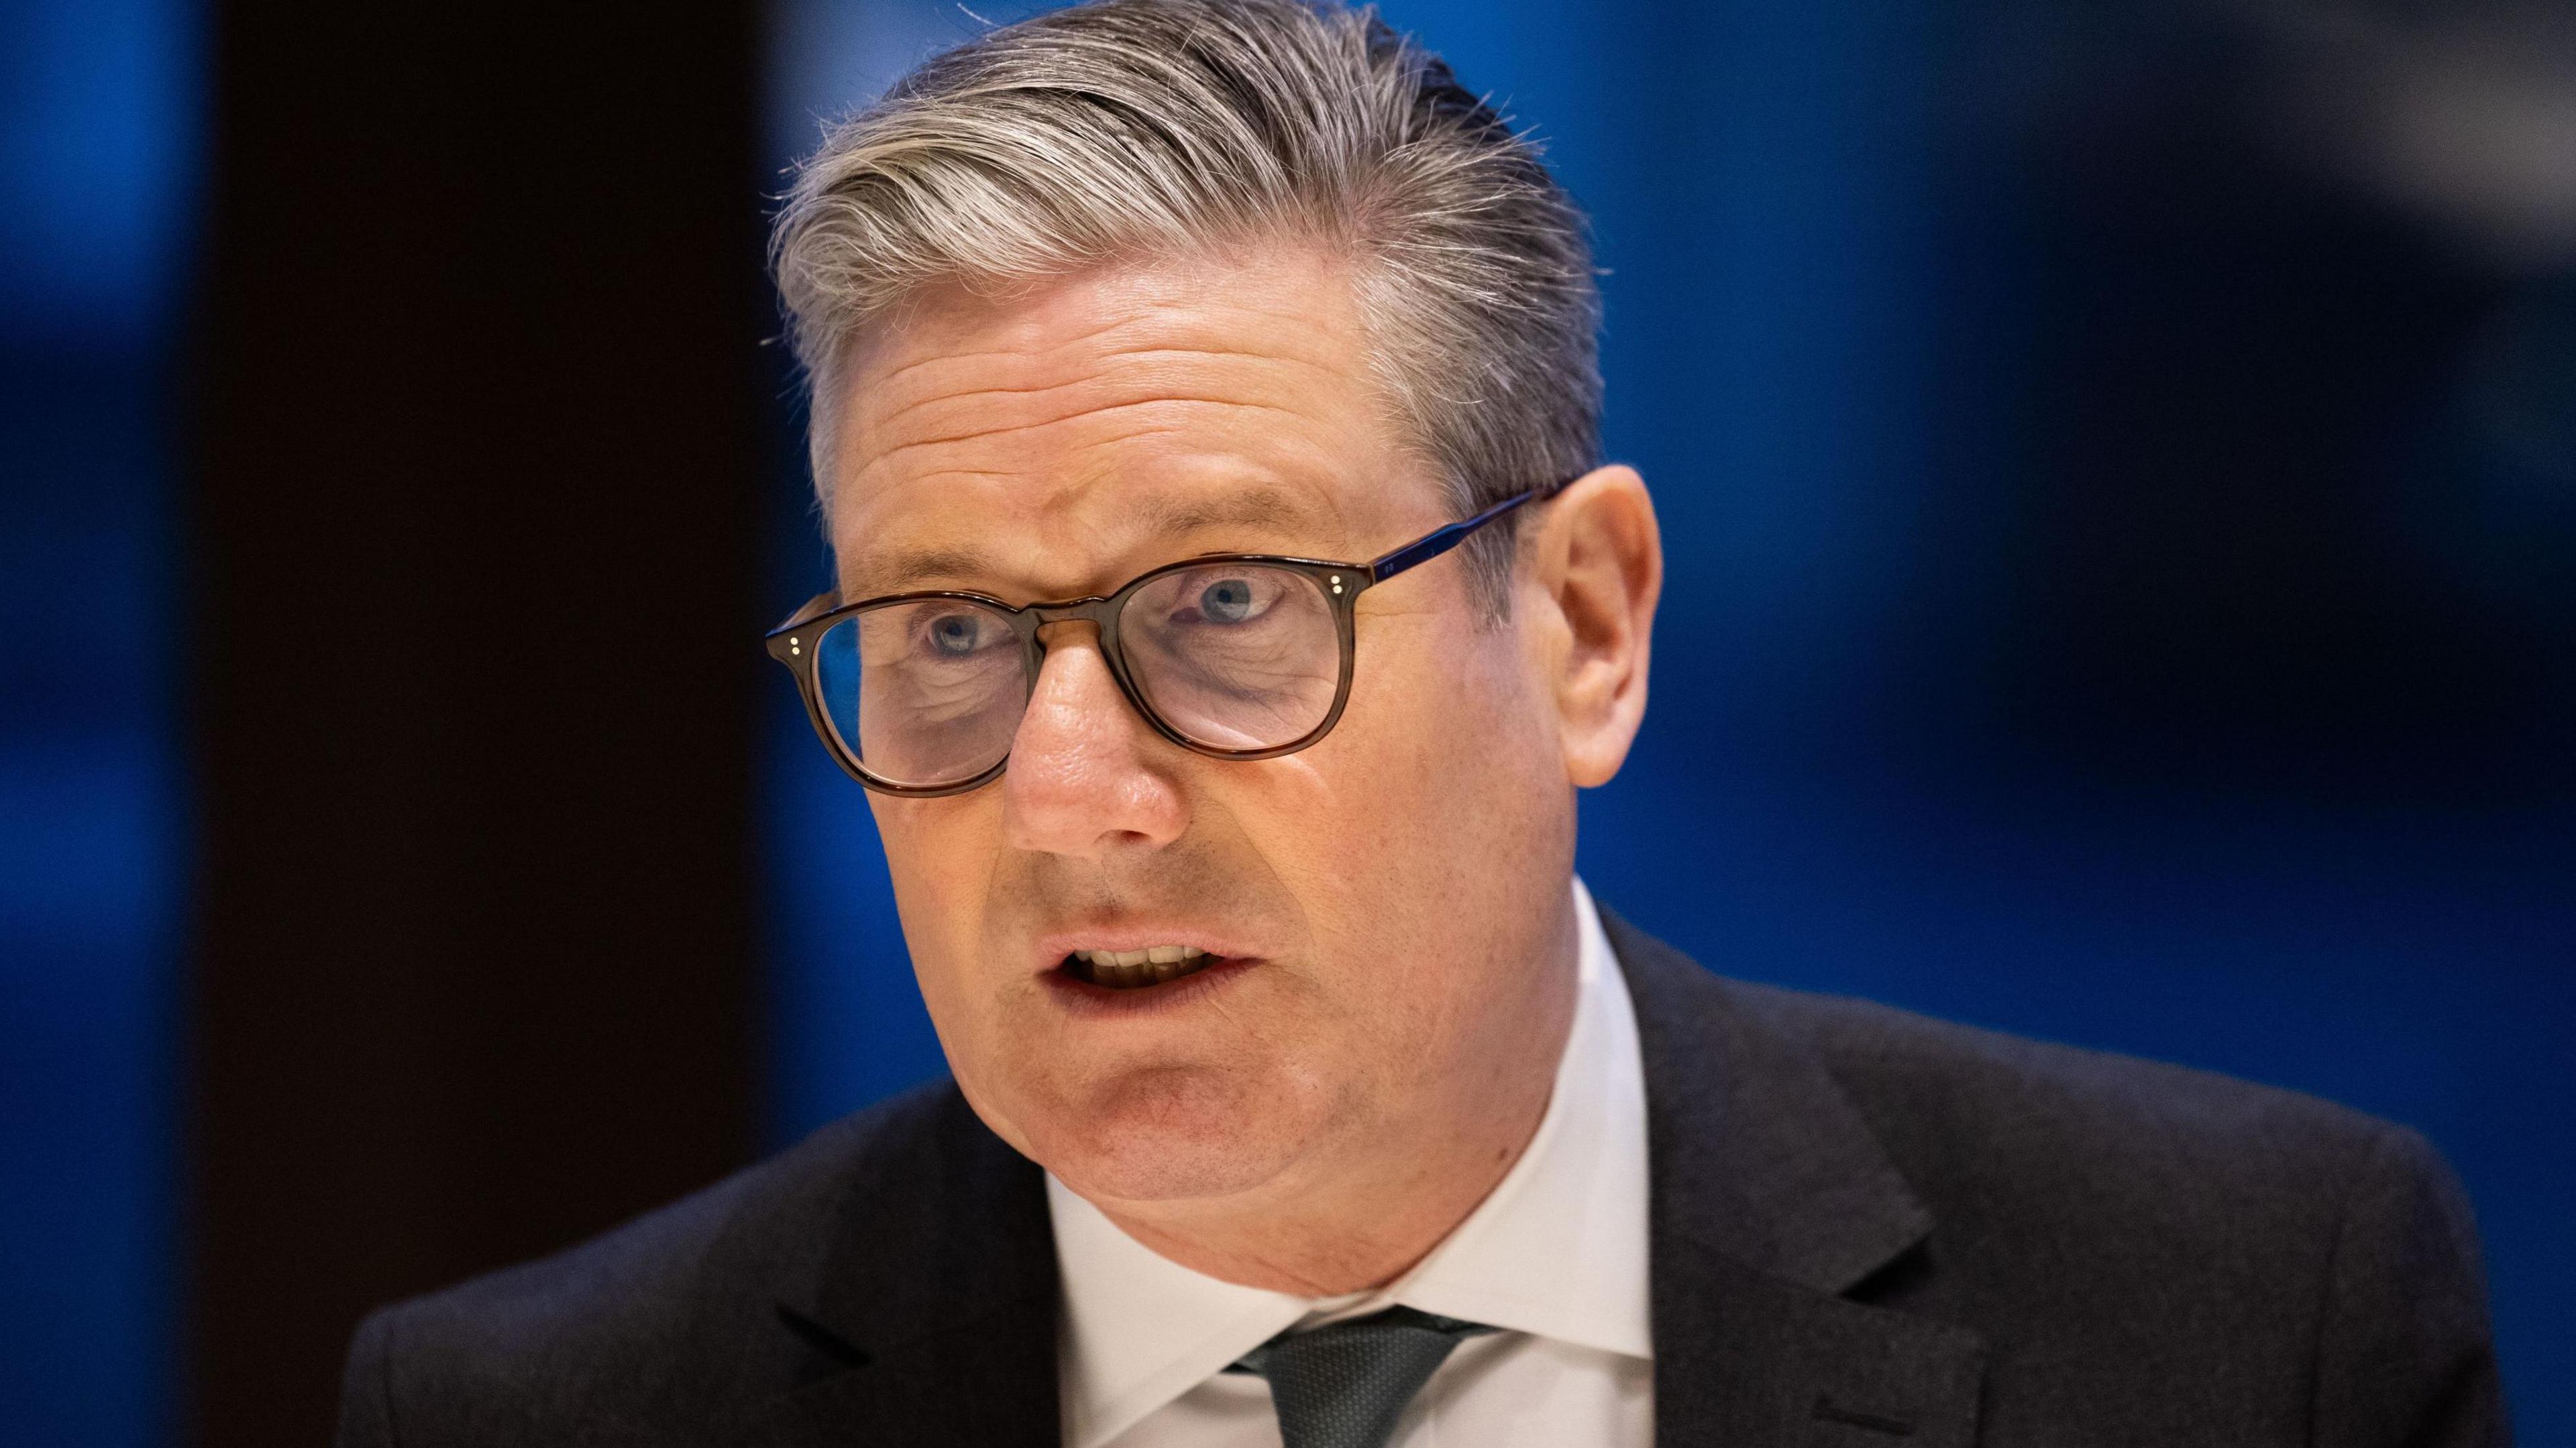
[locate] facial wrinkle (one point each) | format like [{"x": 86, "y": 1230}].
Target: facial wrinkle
[
  {"x": 995, "y": 434},
  {"x": 1097, "y": 370},
  {"x": 1123, "y": 535},
  {"x": 934, "y": 355}
]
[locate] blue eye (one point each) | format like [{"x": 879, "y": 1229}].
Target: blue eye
[
  {"x": 956, "y": 634},
  {"x": 1229, "y": 601}
]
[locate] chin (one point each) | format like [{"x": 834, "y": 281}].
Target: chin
[{"x": 1174, "y": 1134}]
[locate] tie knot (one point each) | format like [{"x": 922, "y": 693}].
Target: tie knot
[{"x": 1344, "y": 1385}]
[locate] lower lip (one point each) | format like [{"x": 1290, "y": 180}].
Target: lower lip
[{"x": 1082, "y": 998}]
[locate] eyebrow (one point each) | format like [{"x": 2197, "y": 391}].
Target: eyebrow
[
  {"x": 902, "y": 570},
  {"x": 1156, "y": 518},
  {"x": 1262, "y": 507}
]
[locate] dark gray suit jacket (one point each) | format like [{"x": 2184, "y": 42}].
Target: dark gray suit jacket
[{"x": 1868, "y": 1229}]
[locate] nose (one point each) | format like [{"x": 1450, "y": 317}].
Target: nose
[{"x": 1082, "y": 781}]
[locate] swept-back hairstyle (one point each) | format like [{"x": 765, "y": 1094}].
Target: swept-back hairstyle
[{"x": 1132, "y": 129}]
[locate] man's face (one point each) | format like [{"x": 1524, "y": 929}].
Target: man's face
[{"x": 1376, "y": 903}]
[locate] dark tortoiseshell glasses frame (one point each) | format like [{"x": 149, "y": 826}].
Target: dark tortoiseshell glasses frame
[{"x": 795, "y": 643}]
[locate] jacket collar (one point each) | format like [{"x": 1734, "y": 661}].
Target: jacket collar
[
  {"x": 928, "y": 1314},
  {"x": 1772, "y": 1200}
]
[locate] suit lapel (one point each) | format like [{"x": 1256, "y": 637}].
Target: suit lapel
[
  {"x": 1771, "y": 1200},
  {"x": 929, "y": 1318}
]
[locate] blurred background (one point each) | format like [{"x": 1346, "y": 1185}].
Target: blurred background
[{"x": 2118, "y": 459}]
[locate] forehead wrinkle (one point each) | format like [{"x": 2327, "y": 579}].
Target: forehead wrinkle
[
  {"x": 1088, "y": 414},
  {"x": 1213, "y": 375},
  {"x": 1183, "y": 332},
  {"x": 1146, "y": 294},
  {"x": 1156, "y": 517},
  {"x": 1017, "y": 350},
  {"x": 1051, "y": 336},
  {"x": 1167, "y": 368},
  {"x": 1096, "y": 372},
  {"x": 887, "y": 342},
  {"x": 1238, "y": 490}
]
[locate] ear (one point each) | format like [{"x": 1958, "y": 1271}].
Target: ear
[{"x": 1597, "y": 567}]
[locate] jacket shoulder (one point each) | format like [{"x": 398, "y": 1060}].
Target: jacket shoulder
[
  {"x": 590, "y": 1336},
  {"x": 1935, "y": 1091},
  {"x": 2283, "y": 1263}
]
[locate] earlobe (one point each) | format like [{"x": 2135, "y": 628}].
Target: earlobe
[{"x": 1600, "y": 560}]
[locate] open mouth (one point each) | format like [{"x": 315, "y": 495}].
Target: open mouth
[{"x": 1137, "y": 969}]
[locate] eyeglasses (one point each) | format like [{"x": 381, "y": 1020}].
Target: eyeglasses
[{"x": 1234, "y": 655}]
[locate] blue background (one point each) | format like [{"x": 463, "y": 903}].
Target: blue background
[
  {"x": 99, "y": 130},
  {"x": 2123, "y": 586}
]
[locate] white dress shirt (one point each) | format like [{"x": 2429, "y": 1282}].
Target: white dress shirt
[{"x": 1555, "y": 1256}]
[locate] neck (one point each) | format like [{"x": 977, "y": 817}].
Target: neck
[{"x": 1380, "y": 1205}]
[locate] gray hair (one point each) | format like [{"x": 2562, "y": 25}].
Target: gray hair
[{"x": 1142, "y": 128}]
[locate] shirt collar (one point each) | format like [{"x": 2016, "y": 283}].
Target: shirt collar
[{"x": 1557, "y": 1249}]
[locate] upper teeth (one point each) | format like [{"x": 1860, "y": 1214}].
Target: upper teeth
[
  {"x": 1122, "y": 969},
  {"x": 1152, "y": 955}
]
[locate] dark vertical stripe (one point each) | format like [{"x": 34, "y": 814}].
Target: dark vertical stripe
[{"x": 475, "y": 629}]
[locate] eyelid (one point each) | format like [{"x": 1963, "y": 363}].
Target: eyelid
[
  {"x": 924, "y": 621},
  {"x": 1219, "y": 571}
]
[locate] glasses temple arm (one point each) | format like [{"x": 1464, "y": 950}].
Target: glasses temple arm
[
  {"x": 1440, "y": 540},
  {"x": 813, "y": 608}
]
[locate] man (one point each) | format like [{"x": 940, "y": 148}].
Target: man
[{"x": 1231, "y": 603}]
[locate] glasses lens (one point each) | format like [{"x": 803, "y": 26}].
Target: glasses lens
[
  {"x": 924, "y": 693},
  {"x": 1234, "y": 655}
]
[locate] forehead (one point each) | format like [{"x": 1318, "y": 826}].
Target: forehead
[{"x": 1043, "y": 443}]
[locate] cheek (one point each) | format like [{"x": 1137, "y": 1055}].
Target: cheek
[
  {"x": 939, "y": 857},
  {"x": 1421, "y": 807},
  {"x": 1450, "y": 731}
]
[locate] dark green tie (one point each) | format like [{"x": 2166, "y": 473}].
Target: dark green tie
[{"x": 1345, "y": 1384}]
